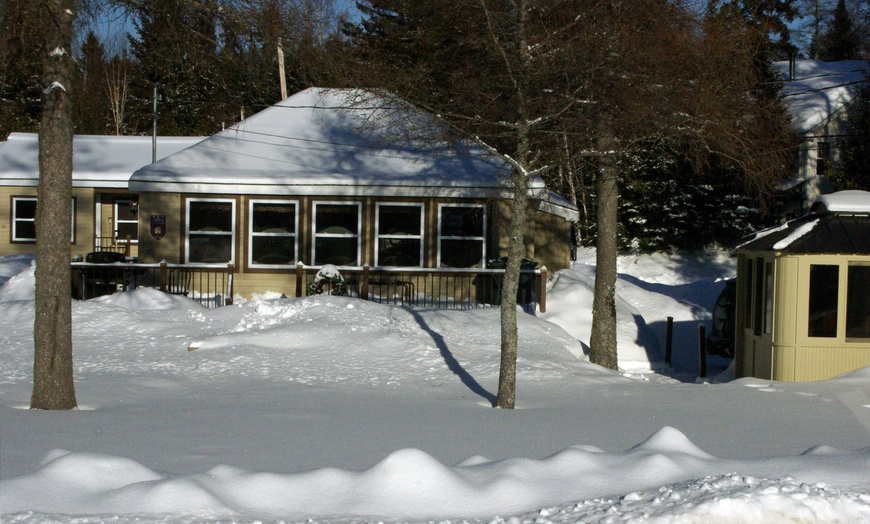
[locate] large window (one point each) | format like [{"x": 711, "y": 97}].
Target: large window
[
  {"x": 126, "y": 220},
  {"x": 824, "y": 296},
  {"x": 399, "y": 235},
  {"x": 211, "y": 226},
  {"x": 336, "y": 233},
  {"x": 858, "y": 302},
  {"x": 273, "y": 225},
  {"x": 24, "y": 219},
  {"x": 461, "y": 235}
]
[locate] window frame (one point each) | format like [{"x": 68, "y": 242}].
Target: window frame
[
  {"x": 14, "y": 199},
  {"x": 315, "y": 235},
  {"x": 378, "y": 236},
  {"x": 251, "y": 234},
  {"x": 848, "y": 303},
  {"x": 481, "y": 239},
  {"x": 116, "y": 221},
  {"x": 232, "y": 233}
]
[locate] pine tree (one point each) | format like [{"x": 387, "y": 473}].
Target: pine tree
[
  {"x": 91, "y": 105},
  {"x": 841, "y": 41}
]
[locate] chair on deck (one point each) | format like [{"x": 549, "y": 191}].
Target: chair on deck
[{"x": 180, "y": 280}]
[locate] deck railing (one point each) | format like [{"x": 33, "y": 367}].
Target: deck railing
[
  {"x": 209, "y": 285},
  {"x": 451, "y": 288},
  {"x": 425, "y": 287}
]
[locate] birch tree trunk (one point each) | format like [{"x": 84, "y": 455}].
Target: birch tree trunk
[{"x": 53, "y": 386}]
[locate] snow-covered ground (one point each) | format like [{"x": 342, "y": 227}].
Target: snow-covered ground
[{"x": 330, "y": 409}]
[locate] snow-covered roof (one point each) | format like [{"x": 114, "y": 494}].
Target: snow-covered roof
[
  {"x": 852, "y": 201},
  {"x": 819, "y": 89},
  {"x": 98, "y": 161},
  {"x": 324, "y": 142},
  {"x": 838, "y": 223}
]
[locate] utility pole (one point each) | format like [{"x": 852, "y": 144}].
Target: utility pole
[
  {"x": 281, "y": 75},
  {"x": 154, "y": 128}
]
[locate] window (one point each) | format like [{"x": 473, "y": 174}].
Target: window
[
  {"x": 211, "y": 225},
  {"x": 747, "y": 290},
  {"x": 858, "y": 302},
  {"x": 24, "y": 219},
  {"x": 461, "y": 234},
  {"x": 126, "y": 220},
  {"x": 758, "y": 297},
  {"x": 824, "y": 295},
  {"x": 336, "y": 233},
  {"x": 823, "y": 157},
  {"x": 768, "y": 297},
  {"x": 399, "y": 235},
  {"x": 273, "y": 225}
]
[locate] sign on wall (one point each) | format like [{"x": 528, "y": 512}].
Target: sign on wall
[{"x": 158, "y": 226}]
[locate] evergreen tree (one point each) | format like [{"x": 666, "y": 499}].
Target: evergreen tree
[
  {"x": 855, "y": 147},
  {"x": 176, "y": 47},
  {"x": 20, "y": 66},
  {"x": 841, "y": 41},
  {"x": 91, "y": 106}
]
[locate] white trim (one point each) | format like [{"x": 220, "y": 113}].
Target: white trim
[
  {"x": 250, "y": 233},
  {"x": 420, "y": 237},
  {"x": 232, "y": 233},
  {"x": 357, "y": 235},
  {"x": 482, "y": 239}
]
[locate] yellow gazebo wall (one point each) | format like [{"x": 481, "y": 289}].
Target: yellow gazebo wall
[{"x": 789, "y": 354}]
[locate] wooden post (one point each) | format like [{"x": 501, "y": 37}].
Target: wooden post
[
  {"x": 229, "y": 298},
  {"x": 702, "y": 350},
  {"x": 364, "y": 284},
  {"x": 127, "y": 246},
  {"x": 543, "y": 292},
  {"x": 300, "y": 277},
  {"x": 163, "y": 276},
  {"x": 669, "y": 341}
]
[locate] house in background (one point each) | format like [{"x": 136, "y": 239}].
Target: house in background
[
  {"x": 803, "y": 294},
  {"x": 321, "y": 178},
  {"x": 817, "y": 95},
  {"x": 105, "y": 212}
]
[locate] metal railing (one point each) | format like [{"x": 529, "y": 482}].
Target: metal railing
[
  {"x": 424, "y": 287},
  {"x": 432, "y": 287},
  {"x": 209, "y": 285}
]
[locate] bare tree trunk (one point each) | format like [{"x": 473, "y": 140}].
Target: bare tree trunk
[
  {"x": 507, "y": 377},
  {"x": 602, "y": 340},
  {"x": 53, "y": 386}
]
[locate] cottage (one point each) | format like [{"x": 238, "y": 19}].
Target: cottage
[
  {"x": 105, "y": 212},
  {"x": 803, "y": 306},
  {"x": 319, "y": 179},
  {"x": 817, "y": 95}
]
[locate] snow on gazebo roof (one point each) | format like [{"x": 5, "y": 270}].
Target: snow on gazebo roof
[
  {"x": 819, "y": 89},
  {"x": 838, "y": 223},
  {"x": 329, "y": 142},
  {"x": 98, "y": 161}
]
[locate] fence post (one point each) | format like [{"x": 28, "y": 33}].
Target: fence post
[
  {"x": 669, "y": 341},
  {"x": 163, "y": 276},
  {"x": 127, "y": 246},
  {"x": 300, "y": 275},
  {"x": 543, "y": 292},
  {"x": 364, "y": 285},
  {"x": 229, "y": 298},
  {"x": 702, "y": 350}
]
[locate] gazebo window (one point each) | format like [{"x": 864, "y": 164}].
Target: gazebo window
[
  {"x": 273, "y": 226},
  {"x": 858, "y": 302},
  {"x": 399, "y": 235},
  {"x": 461, "y": 235},
  {"x": 336, "y": 233},
  {"x": 210, "y": 231},
  {"x": 824, "y": 297}
]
